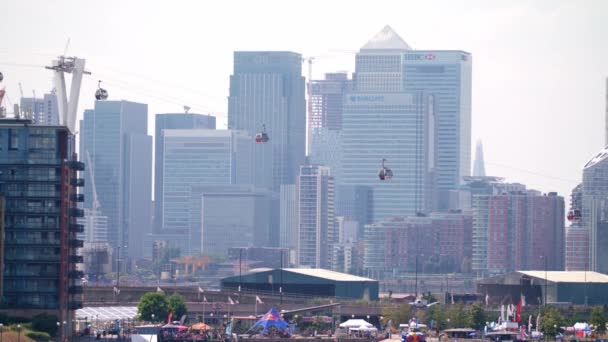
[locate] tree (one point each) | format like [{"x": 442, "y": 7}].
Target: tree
[
  {"x": 459, "y": 317},
  {"x": 597, "y": 319},
  {"x": 153, "y": 303},
  {"x": 177, "y": 305},
  {"x": 438, "y": 315},
  {"x": 551, "y": 320},
  {"x": 46, "y": 323},
  {"x": 478, "y": 316},
  {"x": 398, "y": 314}
]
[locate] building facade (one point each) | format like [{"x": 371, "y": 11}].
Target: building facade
[
  {"x": 171, "y": 121},
  {"x": 316, "y": 216},
  {"x": 115, "y": 137},
  {"x": 448, "y": 76},
  {"x": 195, "y": 157},
  {"x": 42, "y": 111},
  {"x": 267, "y": 90},
  {"x": 595, "y": 210},
  {"x": 577, "y": 236},
  {"x": 39, "y": 208},
  {"x": 519, "y": 230},
  {"x": 288, "y": 217}
]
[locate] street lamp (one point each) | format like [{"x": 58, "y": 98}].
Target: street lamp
[
  {"x": 19, "y": 330},
  {"x": 1, "y": 329},
  {"x": 545, "y": 259},
  {"x": 152, "y": 318},
  {"x": 65, "y": 331}
]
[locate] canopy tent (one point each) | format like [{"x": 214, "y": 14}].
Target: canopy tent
[
  {"x": 270, "y": 319},
  {"x": 200, "y": 326},
  {"x": 355, "y": 323}
]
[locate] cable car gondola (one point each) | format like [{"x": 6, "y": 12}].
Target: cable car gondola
[
  {"x": 385, "y": 173},
  {"x": 574, "y": 215},
  {"x": 262, "y": 137},
  {"x": 101, "y": 94}
]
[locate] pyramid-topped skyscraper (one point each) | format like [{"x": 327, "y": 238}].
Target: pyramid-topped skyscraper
[
  {"x": 387, "y": 39},
  {"x": 479, "y": 168}
]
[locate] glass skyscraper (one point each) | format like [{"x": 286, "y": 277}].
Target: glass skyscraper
[
  {"x": 171, "y": 121},
  {"x": 115, "y": 135},
  {"x": 446, "y": 75},
  {"x": 267, "y": 88}
]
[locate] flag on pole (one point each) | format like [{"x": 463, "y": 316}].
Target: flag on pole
[
  {"x": 230, "y": 301},
  {"x": 258, "y": 300},
  {"x": 158, "y": 289},
  {"x": 116, "y": 290},
  {"x": 204, "y": 299},
  {"x": 523, "y": 300},
  {"x": 530, "y": 323},
  {"x": 452, "y": 295},
  {"x": 170, "y": 317},
  {"x": 487, "y": 299},
  {"x": 200, "y": 290},
  {"x": 538, "y": 321},
  {"x": 502, "y": 312},
  {"x": 518, "y": 316}
]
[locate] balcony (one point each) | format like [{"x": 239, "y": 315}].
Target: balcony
[
  {"x": 76, "y": 243},
  {"x": 77, "y": 197},
  {"x": 77, "y": 182},
  {"x": 74, "y": 305},
  {"x": 76, "y": 259},
  {"x": 75, "y": 165},
  {"x": 75, "y": 212},
  {"x": 75, "y": 289},
  {"x": 76, "y": 228},
  {"x": 75, "y": 274}
]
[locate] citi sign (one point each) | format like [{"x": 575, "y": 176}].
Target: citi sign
[
  {"x": 425, "y": 57},
  {"x": 366, "y": 98}
]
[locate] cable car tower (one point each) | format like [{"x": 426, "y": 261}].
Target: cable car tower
[{"x": 68, "y": 107}]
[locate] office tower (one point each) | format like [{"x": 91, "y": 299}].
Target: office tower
[
  {"x": 38, "y": 211},
  {"x": 288, "y": 217},
  {"x": 42, "y": 111},
  {"x": 316, "y": 216},
  {"x": 325, "y": 148},
  {"x": 354, "y": 202},
  {"x": 462, "y": 198},
  {"x": 115, "y": 137},
  {"x": 194, "y": 157},
  {"x": 437, "y": 243},
  {"x": 517, "y": 231},
  {"x": 595, "y": 210},
  {"x": 171, "y": 121},
  {"x": 379, "y": 121},
  {"x": 479, "y": 168},
  {"x": 446, "y": 75},
  {"x": 231, "y": 216},
  {"x": 267, "y": 89},
  {"x": 326, "y": 100},
  {"x": 577, "y": 236}
]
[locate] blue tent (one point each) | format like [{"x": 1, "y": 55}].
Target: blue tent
[{"x": 270, "y": 319}]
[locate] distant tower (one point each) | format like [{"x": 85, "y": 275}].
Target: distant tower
[{"x": 479, "y": 168}]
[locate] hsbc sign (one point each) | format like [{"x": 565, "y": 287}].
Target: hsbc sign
[{"x": 420, "y": 57}]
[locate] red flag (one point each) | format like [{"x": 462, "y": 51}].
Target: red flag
[
  {"x": 518, "y": 312},
  {"x": 170, "y": 316}
]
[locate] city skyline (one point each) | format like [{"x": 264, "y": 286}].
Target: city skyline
[{"x": 521, "y": 65}]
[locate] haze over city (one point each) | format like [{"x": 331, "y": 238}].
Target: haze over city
[{"x": 539, "y": 67}]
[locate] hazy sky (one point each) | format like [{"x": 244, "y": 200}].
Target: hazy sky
[{"x": 539, "y": 67}]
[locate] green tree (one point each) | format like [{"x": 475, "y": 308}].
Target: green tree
[
  {"x": 459, "y": 317},
  {"x": 45, "y": 323},
  {"x": 597, "y": 319},
  {"x": 177, "y": 305},
  {"x": 478, "y": 316},
  {"x": 153, "y": 303},
  {"x": 551, "y": 320},
  {"x": 400, "y": 314},
  {"x": 437, "y": 314}
]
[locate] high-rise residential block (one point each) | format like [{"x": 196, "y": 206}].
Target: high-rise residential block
[
  {"x": 577, "y": 236},
  {"x": 115, "y": 137},
  {"x": 288, "y": 216},
  {"x": 448, "y": 76},
  {"x": 42, "y": 111},
  {"x": 171, "y": 121},
  {"x": 267, "y": 91},
  {"x": 38, "y": 212},
  {"x": 518, "y": 231},
  {"x": 316, "y": 216}
]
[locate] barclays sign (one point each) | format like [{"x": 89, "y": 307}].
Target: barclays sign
[
  {"x": 366, "y": 98},
  {"x": 420, "y": 57}
]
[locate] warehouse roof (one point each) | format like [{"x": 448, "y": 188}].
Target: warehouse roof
[
  {"x": 569, "y": 276},
  {"x": 327, "y": 274}
]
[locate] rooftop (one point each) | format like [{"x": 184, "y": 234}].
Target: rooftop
[
  {"x": 327, "y": 274},
  {"x": 387, "y": 39},
  {"x": 569, "y": 276},
  {"x": 600, "y": 156}
]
